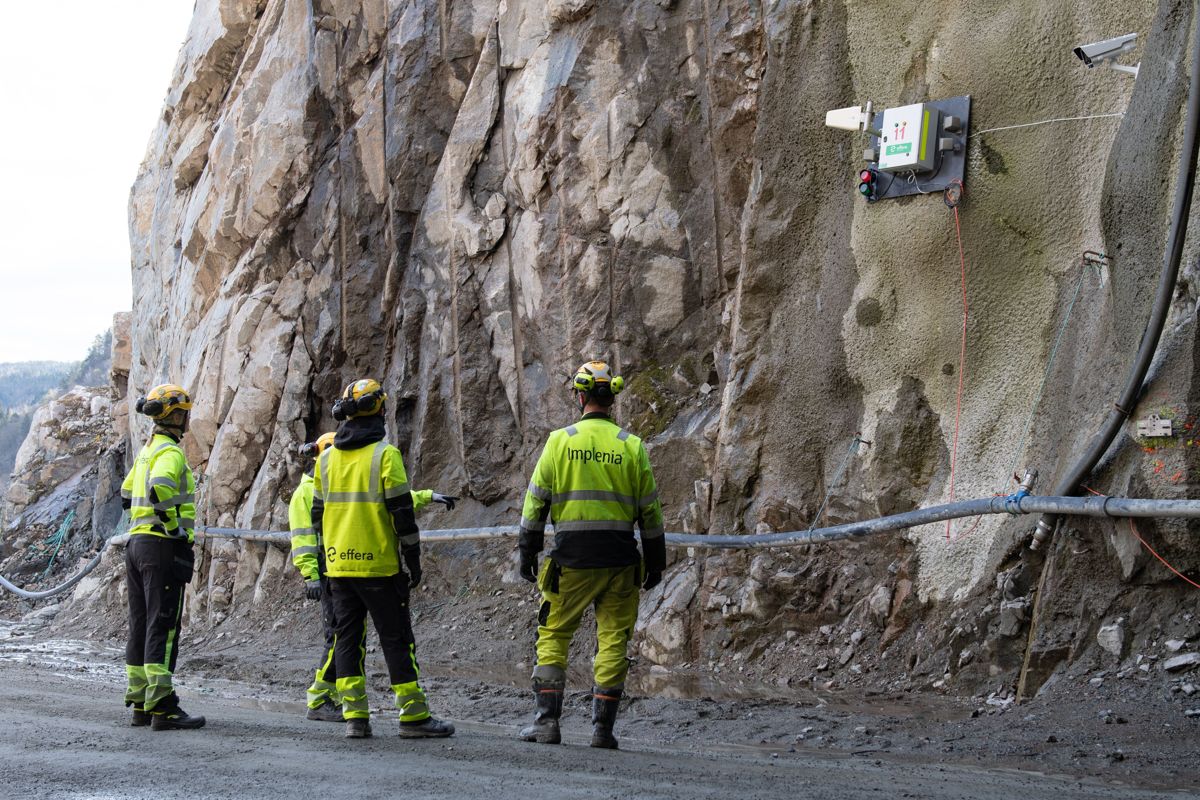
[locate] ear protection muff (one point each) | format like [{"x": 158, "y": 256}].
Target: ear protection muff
[
  {"x": 348, "y": 406},
  {"x": 585, "y": 380},
  {"x": 151, "y": 408},
  {"x": 139, "y": 405},
  {"x": 308, "y": 450}
]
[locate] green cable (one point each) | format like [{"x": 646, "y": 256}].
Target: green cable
[{"x": 58, "y": 538}]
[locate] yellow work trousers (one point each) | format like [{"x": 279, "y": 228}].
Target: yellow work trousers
[{"x": 566, "y": 594}]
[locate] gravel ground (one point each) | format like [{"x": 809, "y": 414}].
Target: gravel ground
[{"x": 64, "y": 734}]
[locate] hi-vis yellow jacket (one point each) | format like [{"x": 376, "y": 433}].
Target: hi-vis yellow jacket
[
  {"x": 594, "y": 482},
  {"x": 363, "y": 510},
  {"x": 161, "y": 491},
  {"x": 305, "y": 545}
]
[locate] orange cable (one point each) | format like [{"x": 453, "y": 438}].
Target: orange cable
[{"x": 1145, "y": 544}]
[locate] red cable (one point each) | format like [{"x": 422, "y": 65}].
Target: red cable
[
  {"x": 1145, "y": 544},
  {"x": 962, "y": 358},
  {"x": 1160, "y": 558}
]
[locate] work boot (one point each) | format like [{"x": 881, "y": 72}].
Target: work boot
[
  {"x": 140, "y": 718},
  {"x": 327, "y": 711},
  {"x": 548, "y": 700},
  {"x": 168, "y": 716},
  {"x": 604, "y": 715},
  {"x": 431, "y": 728},
  {"x": 358, "y": 728}
]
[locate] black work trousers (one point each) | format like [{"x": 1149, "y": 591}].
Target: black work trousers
[
  {"x": 157, "y": 571},
  {"x": 386, "y": 600},
  {"x": 327, "y": 671}
]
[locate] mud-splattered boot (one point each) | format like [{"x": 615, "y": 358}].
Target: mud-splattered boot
[
  {"x": 605, "y": 703},
  {"x": 358, "y": 728},
  {"x": 431, "y": 728},
  {"x": 548, "y": 699},
  {"x": 327, "y": 711},
  {"x": 168, "y": 716},
  {"x": 140, "y": 718}
]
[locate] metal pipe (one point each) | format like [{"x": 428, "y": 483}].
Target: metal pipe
[
  {"x": 1013, "y": 505},
  {"x": 1029, "y": 504}
]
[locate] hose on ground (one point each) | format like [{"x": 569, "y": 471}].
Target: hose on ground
[{"x": 1099, "y": 506}]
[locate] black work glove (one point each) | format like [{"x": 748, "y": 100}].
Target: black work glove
[
  {"x": 445, "y": 500},
  {"x": 652, "y": 579},
  {"x": 412, "y": 560},
  {"x": 529, "y": 565},
  {"x": 312, "y": 590}
]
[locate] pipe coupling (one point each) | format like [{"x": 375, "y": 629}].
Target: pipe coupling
[{"x": 1040, "y": 534}]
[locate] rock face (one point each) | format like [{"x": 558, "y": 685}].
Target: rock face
[
  {"x": 466, "y": 199},
  {"x": 71, "y": 462}
]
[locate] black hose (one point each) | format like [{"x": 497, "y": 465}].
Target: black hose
[{"x": 1123, "y": 408}]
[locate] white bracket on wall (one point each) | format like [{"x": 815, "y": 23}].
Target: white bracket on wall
[{"x": 1154, "y": 426}]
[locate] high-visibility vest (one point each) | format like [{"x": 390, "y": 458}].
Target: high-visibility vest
[
  {"x": 304, "y": 538},
  {"x": 305, "y": 545},
  {"x": 161, "y": 491},
  {"x": 592, "y": 479},
  {"x": 359, "y": 539}
]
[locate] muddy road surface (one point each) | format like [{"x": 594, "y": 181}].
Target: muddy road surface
[
  {"x": 65, "y": 734},
  {"x": 61, "y": 738}
]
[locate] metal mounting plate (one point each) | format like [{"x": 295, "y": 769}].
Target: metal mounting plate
[{"x": 951, "y": 168}]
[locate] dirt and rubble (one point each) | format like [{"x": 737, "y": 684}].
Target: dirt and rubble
[{"x": 1131, "y": 721}]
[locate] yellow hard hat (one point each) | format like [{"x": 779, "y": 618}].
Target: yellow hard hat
[
  {"x": 361, "y": 398},
  {"x": 597, "y": 375},
  {"x": 314, "y": 449},
  {"x": 162, "y": 400}
]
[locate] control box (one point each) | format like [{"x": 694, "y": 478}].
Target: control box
[{"x": 906, "y": 141}]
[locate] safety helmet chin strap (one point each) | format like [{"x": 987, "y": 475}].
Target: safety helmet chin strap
[{"x": 171, "y": 427}]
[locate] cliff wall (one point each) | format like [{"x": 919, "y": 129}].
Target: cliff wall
[{"x": 466, "y": 199}]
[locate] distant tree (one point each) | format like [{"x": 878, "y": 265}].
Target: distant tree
[{"x": 93, "y": 370}]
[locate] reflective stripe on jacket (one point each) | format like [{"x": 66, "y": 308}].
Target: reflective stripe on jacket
[
  {"x": 594, "y": 482},
  {"x": 304, "y": 538},
  {"x": 305, "y": 544},
  {"x": 161, "y": 491},
  {"x": 360, "y": 492}
]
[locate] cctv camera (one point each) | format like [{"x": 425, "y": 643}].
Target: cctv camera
[{"x": 1098, "y": 52}]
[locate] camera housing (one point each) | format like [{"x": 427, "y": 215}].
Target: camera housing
[{"x": 1106, "y": 51}]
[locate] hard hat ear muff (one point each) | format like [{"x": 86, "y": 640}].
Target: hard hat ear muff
[
  {"x": 618, "y": 383},
  {"x": 151, "y": 408},
  {"x": 308, "y": 450},
  {"x": 584, "y": 382},
  {"x": 370, "y": 403}
]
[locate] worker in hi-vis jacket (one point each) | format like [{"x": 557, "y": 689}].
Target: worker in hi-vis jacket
[
  {"x": 363, "y": 512},
  {"x": 324, "y": 704},
  {"x": 594, "y": 483},
  {"x": 160, "y": 494}
]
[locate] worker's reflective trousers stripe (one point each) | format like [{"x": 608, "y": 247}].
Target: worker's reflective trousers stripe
[{"x": 566, "y": 594}]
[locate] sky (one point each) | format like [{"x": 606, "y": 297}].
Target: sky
[{"x": 81, "y": 86}]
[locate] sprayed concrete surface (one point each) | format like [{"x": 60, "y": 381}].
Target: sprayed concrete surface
[{"x": 64, "y": 734}]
